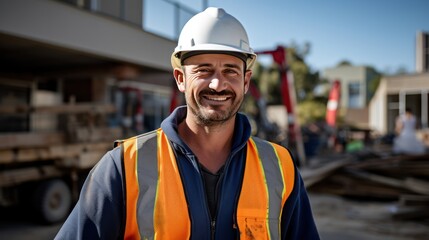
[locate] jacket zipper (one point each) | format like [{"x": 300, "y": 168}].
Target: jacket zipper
[
  {"x": 235, "y": 222},
  {"x": 220, "y": 193},
  {"x": 194, "y": 161},
  {"x": 212, "y": 229},
  {"x": 211, "y": 219}
]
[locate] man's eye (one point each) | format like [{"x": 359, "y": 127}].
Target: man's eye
[
  {"x": 231, "y": 71},
  {"x": 203, "y": 70}
]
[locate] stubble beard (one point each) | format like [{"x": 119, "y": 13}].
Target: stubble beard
[{"x": 216, "y": 116}]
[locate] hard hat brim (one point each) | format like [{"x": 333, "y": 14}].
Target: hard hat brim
[{"x": 211, "y": 48}]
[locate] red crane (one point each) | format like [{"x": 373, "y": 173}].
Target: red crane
[{"x": 289, "y": 100}]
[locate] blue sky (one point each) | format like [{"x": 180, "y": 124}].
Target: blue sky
[{"x": 379, "y": 33}]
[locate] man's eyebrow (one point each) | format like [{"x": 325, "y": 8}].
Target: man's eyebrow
[
  {"x": 230, "y": 65},
  {"x": 204, "y": 65}
]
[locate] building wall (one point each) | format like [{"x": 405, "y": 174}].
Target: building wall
[
  {"x": 396, "y": 93},
  {"x": 64, "y": 25},
  {"x": 377, "y": 109},
  {"x": 89, "y": 49},
  {"x": 348, "y": 75}
]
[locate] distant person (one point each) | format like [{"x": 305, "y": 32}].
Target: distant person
[
  {"x": 406, "y": 141},
  {"x": 201, "y": 175}
]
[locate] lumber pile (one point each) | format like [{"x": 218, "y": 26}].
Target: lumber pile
[
  {"x": 400, "y": 178},
  {"x": 62, "y": 140}
]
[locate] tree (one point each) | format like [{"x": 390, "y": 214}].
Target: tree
[
  {"x": 344, "y": 63},
  {"x": 373, "y": 82},
  {"x": 304, "y": 80},
  {"x": 268, "y": 78}
]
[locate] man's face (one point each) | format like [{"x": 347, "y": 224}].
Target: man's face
[{"x": 214, "y": 86}]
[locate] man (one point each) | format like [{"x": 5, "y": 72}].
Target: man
[{"x": 201, "y": 175}]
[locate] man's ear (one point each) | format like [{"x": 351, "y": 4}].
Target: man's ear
[
  {"x": 247, "y": 79},
  {"x": 180, "y": 79}
]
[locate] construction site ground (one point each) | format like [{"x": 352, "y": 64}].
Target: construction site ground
[
  {"x": 337, "y": 218},
  {"x": 371, "y": 194}
]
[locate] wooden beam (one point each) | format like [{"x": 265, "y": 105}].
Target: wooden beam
[
  {"x": 16, "y": 176},
  {"x": 18, "y": 140},
  {"x": 312, "y": 176},
  {"x": 58, "y": 109}
]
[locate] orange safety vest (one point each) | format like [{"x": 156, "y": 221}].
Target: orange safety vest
[{"x": 156, "y": 206}]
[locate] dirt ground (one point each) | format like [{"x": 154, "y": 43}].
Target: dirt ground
[{"x": 338, "y": 218}]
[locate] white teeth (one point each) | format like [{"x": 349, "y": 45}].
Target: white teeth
[{"x": 217, "y": 98}]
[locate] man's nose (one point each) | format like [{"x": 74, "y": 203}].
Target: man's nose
[{"x": 217, "y": 83}]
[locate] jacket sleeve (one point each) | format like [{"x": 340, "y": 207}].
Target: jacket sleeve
[
  {"x": 99, "y": 212},
  {"x": 297, "y": 219}
]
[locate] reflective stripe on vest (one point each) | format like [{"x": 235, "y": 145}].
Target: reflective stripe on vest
[
  {"x": 155, "y": 202},
  {"x": 156, "y": 206}
]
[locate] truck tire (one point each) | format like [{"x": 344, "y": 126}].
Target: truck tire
[{"x": 52, "y": 201}]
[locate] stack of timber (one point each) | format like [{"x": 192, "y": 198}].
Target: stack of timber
[
  {"x": 400, "y": 178},
  {"x": 76, "y": 143},
  {"x": 82, "y": 132}
]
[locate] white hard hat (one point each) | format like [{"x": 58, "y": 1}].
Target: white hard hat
[{"x": 213, "y": 30}]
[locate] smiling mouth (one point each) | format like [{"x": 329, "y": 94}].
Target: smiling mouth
[{"x": 216, "y": 98}]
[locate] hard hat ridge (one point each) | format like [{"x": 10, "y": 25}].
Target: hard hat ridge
[{"x": 216, "y": 12}]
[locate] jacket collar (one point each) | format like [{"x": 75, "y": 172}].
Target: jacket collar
[{"x": 242, "y": 128}]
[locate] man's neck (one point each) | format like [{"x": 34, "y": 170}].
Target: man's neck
[{"x": 211, "y": 145}]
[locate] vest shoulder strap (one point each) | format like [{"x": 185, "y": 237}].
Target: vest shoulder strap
[{"x": 142, "y": 136}]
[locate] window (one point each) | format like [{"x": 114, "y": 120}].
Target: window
[{"x": 354, "y": 95}]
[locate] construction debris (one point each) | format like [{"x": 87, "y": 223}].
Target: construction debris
[{"x": 400, "y": 178}]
